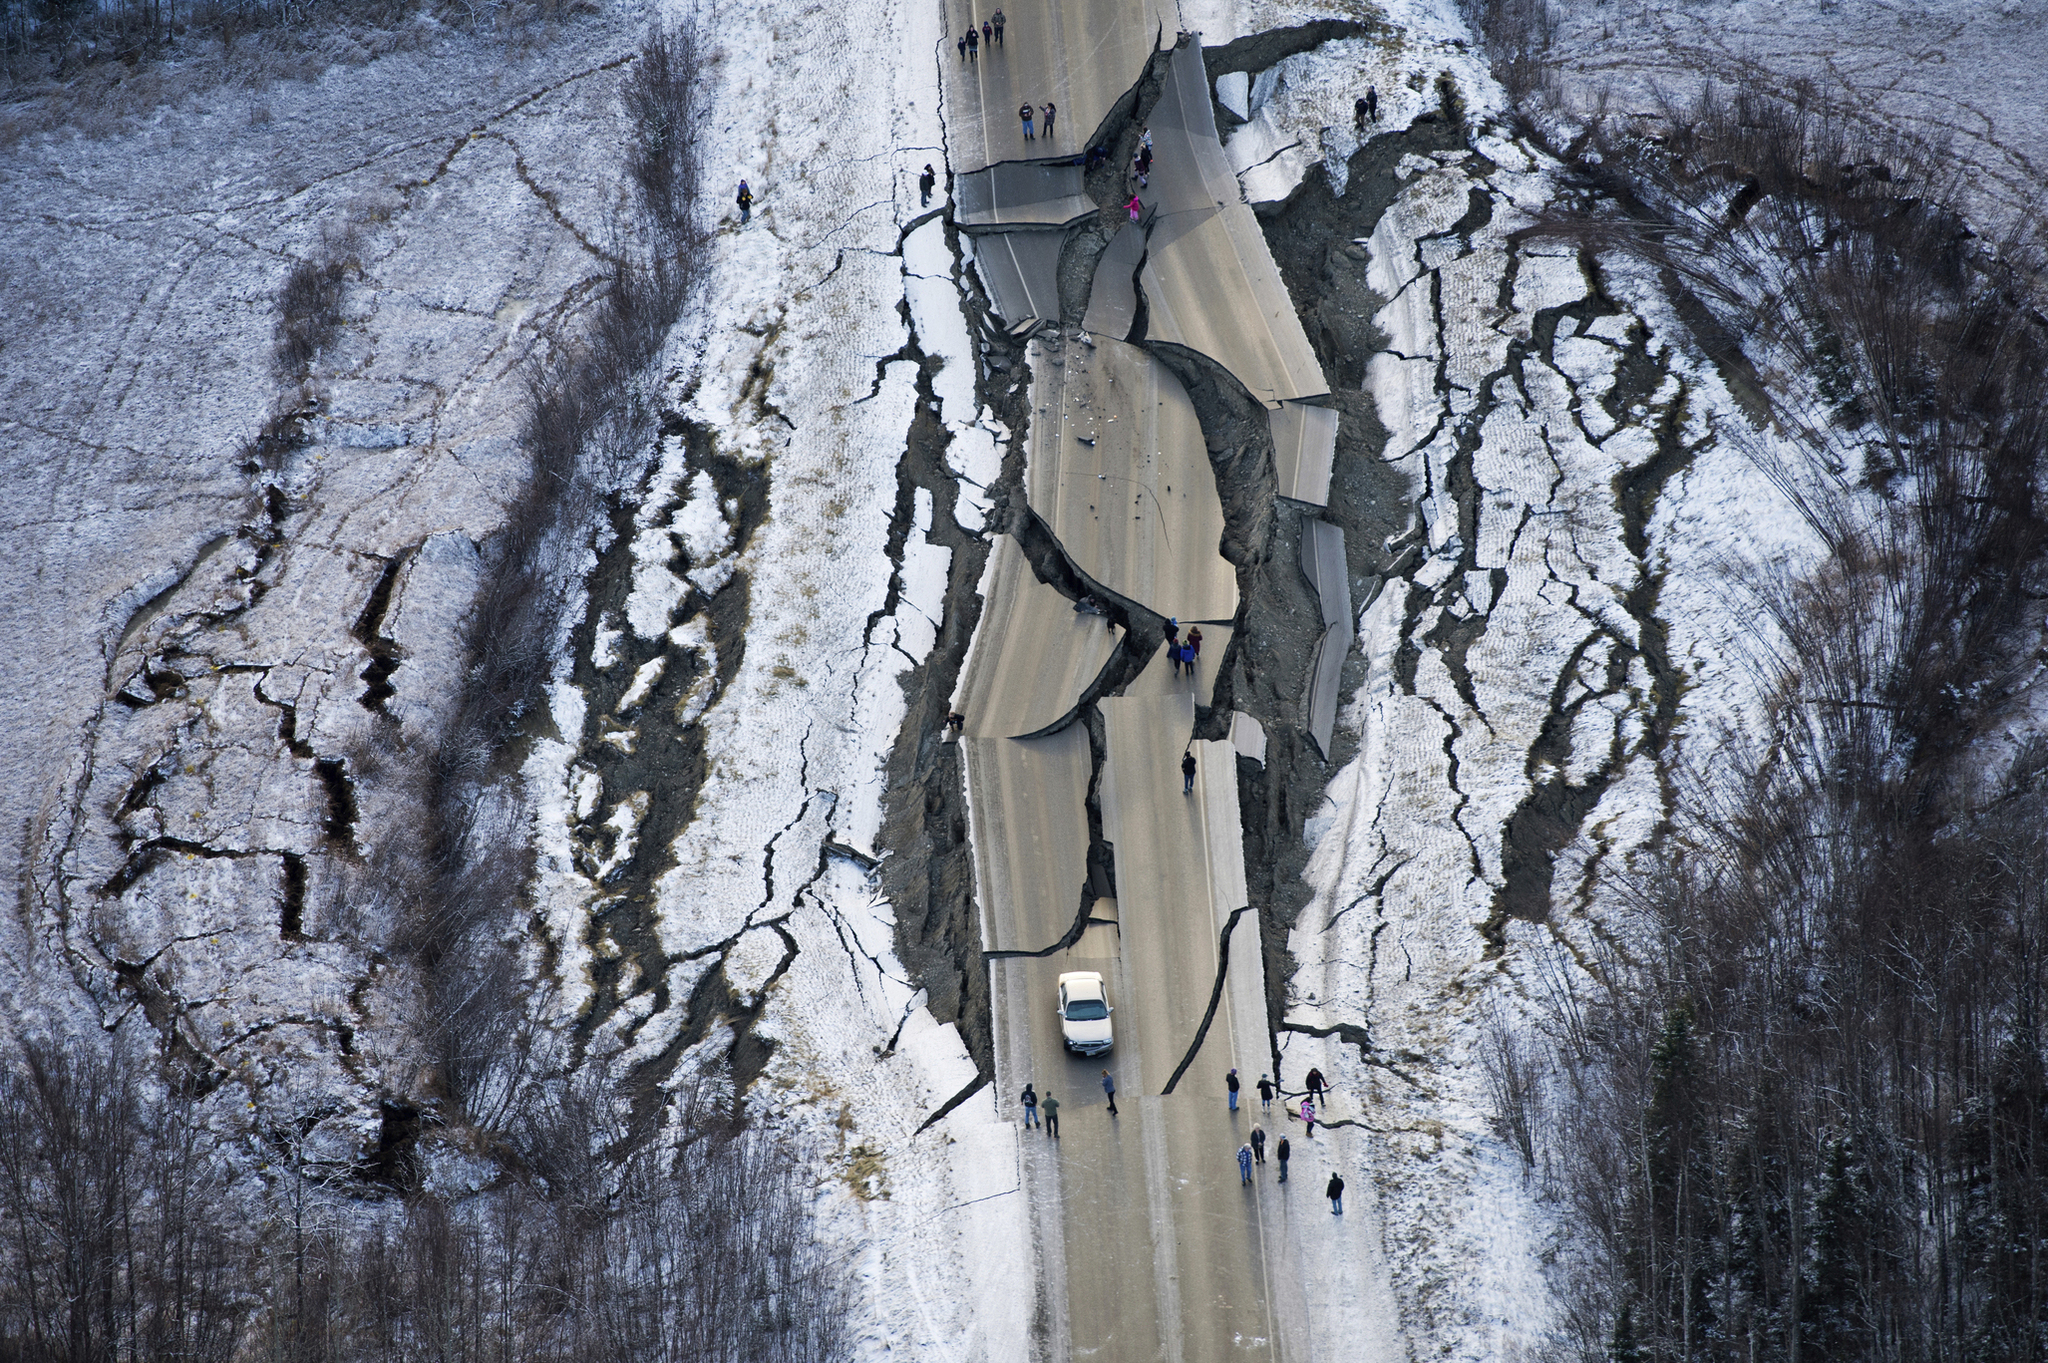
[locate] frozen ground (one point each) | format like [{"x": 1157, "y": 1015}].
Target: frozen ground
[
  {"x": 187, "y": 654},
  {"x": 1969, "y": 76}
]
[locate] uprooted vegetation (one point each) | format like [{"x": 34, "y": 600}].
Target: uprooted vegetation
[{"x": 1803, "y": 1109}]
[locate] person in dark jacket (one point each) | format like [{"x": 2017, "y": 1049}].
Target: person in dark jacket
[
  {"x": 1187, "y": 787},
  {"x": 1230, "y": 1086},
  {"x": 1109, "y": 1091},
  {"x": 1259, "y": 1144},
  {"x": 1280, "y": 1153},
  {"x": 745, "y": 199},
  {"x": 1265, "y": 1087},
  {"x": 1050, "y": 111},
  {"x": 1024, "y": 112},
  {"x": 924, "y": 189},
  {"x": 997, "y": 19},
  {"x": 1030, "y": 1100},
  {"x": 973, "y": 43},
  {"x": 1315, "y": 1086},
  {"x": 1052, "y": 1116},
  {"x": 1335, "y": 1192}
]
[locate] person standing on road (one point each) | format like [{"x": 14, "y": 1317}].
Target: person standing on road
[
  {"x": 1187, "y": 787},
  {"x": 1230, "y": 1084},
  {"x": 1051, "y": 111},
  {"x": 1030, "y": 1099},
  {"x": 1335, "y": 1192},
  {"x": 1265, "y": 1094},
  {"x": 973, "y": 44},
  {"x": 1372, "y": 104},
  {"x": 1109, "y": 1090},
  {"x": 1280, "y": 1153},
  {"x": 1244, "y": 1165},
  {"x": 997, "y": 19},
  {"x": 925, "y": 183},
  {"x": 1024, "y": 112},
  {"x": 1052, "y": 1116},
  {"x": 1259, "y": 1144},
  {"x": 745, "y": 199}
]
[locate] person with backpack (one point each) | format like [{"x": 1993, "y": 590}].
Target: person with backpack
[
  {"x": 1030, "y": 1100},
  {"x": 745, "y": 199},
  {"x": 1280, "y": 1153}
]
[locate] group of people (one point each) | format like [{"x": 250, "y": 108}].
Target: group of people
[
  {"x": 1050, "y": 111},
  {"x": 1183, "y": 652},
  {"x": 1249, "y": 1154},
  {"x": 990, "y": 34}
]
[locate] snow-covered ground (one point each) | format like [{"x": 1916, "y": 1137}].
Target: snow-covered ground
[{"x": 1569, "y": 630}]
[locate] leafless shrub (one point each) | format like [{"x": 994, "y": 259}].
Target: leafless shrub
[
  {"x": 1513, "y": 1085},
  {"x": 309, "y": 305}
]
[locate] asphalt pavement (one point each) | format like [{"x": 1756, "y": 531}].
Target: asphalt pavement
[{"x": 1147, "y": 1244}]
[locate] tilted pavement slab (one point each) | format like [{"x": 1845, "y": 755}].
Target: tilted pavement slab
[
  {"x": 1113, "y": 292},
  {"x": 1304, "y": 451},
  {"x": 1080, "y": 55},
  {"x": 1021, "y": 271},
  {"x": 1116, "y": 466},
  {"x": 1209, "y": 280},
  {"x": 1020, "y": 194},
  {"x": 1032, "y": 655}
]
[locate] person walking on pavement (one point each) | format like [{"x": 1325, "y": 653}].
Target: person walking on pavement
[
  {"x": 1030, "y": 1099},
  {"x": 1314, "y": 1082},
  {"x": 1187, "y": 787},
  {"x": 997, "y": 18},
  {"x": 1173, "y": 631},
  {"x": 745, "y": 199},
  {"x": 1051, "y": 110},
  {"x": 1280, "y": 1153},
  {"x": 1308, "y": 1117},
  {"x": 973, "y": 44},
  {"x": 1244, "y": 1165},
  {"x": 1136, "y": 205},
  {"x": 1230, "y": 1084},
  {"x": 962, "y": 45},
  {"x": 1335, "y": 1192},
  {"x": 988, "y": 34},
  {"x": 1265, "y": 1094},
  {"x": 925, "y": 183},
  {"x": 1052, "y": 1116},
  {"x": 1024, "y": 112},
  {"x": 1259, "y": 1144},
  {"x": 1187, "y": 659},
  {"x": 1109, "y": 1090},
  {"x": 1195, "y": 640}
]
